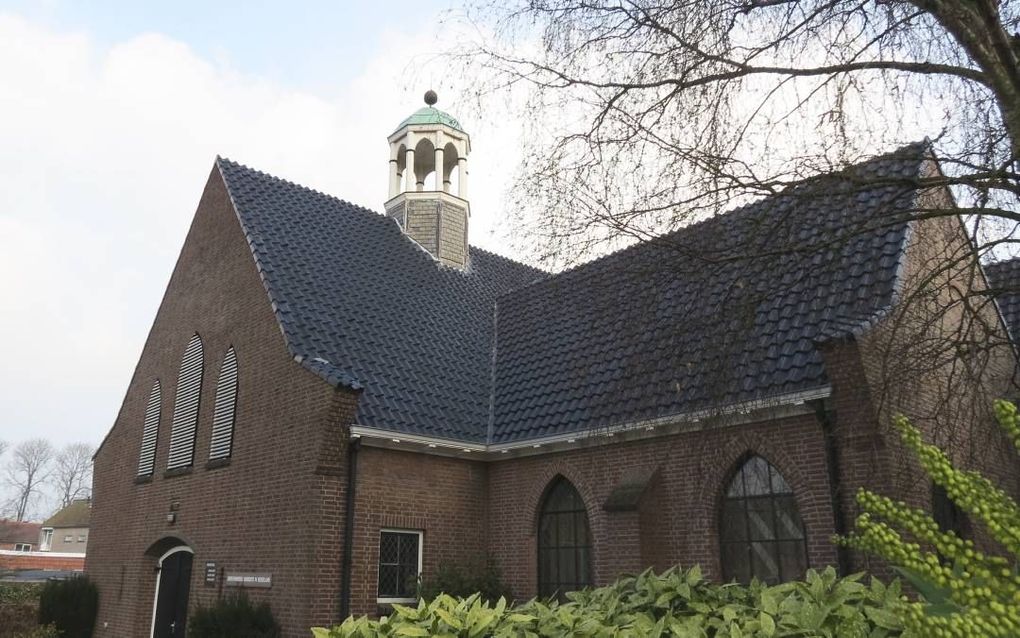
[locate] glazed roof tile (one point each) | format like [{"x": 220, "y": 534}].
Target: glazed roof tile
[{"x": 727, "y": 310}]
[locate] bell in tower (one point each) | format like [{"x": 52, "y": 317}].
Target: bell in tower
[{"x": 428, "y": 182}]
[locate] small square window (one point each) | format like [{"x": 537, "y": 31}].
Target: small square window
[
  {"x": 68, "y": 538},
  {"x": 22, "y": 547},
  {"x": 81, "y": 538},
  {"x": 399, "y": 565}
]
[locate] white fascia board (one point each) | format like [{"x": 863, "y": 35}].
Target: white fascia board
[{"x": 728, "y": 416}]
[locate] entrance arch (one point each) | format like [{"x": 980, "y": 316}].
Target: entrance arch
[{"x": 173, "y": 585}]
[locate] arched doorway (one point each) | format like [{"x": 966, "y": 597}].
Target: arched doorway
[{"x": 173, "y": 584}]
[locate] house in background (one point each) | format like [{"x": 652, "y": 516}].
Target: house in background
[
  {"x": 18, "y": 536},
  {"x": 333, "y": 402},
  {"x": 68, "y": 529}
]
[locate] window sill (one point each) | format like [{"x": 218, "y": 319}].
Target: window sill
[
  {"x": 177, "y": 471},
  {"x": 141, "y": 480},
  {"x": 215, "y": 463},
  {"x": 396, "y": 601}
]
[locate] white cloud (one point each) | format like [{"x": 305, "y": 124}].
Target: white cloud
[{"x": 105, "y": 151}]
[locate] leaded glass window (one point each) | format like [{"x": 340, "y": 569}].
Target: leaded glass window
[
  {"x": 761, "y": 532},
  {"x": 564, "y": 542},
  {"x": 399, "y": 565}
]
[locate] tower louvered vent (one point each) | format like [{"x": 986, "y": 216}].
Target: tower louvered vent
[
  {"x": 226, "y": 401},
  {"x": 185, "y": 421},
  {"x": 150, "y": 430}
]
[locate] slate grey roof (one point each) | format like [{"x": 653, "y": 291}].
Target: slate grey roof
[
  {"x": 1005, "y": 276},
  {"x": 361, "y": 305},
  {"x": 724, "y": 311}
]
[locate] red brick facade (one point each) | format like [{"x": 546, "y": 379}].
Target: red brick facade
[{"x": 279, "y": 506}]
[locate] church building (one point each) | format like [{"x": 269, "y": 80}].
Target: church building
[{"x": 333, "y": 402}]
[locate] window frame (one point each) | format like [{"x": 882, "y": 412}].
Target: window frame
[
  {"x": 746, "y": 543},
  {"x": 68, "y": 538},
  {"x": 389, "y": 600},
  {"x": 47, "y": 539},
  {"x": 540, "y": 548},
  {"x": 23, "y": 547}
]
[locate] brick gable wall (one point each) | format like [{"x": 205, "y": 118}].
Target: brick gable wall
[{"x": 265, "y": 510}]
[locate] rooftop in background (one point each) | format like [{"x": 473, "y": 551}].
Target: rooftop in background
[
  {"x": 76, "y": 514},
  {"x": 14, "y": 532}
]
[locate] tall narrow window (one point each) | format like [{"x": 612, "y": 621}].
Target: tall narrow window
[
  {"x": 947, "y": 514},
  {"x": 564, "y": 542},
  {"x": 185, "y": 420},
  {"x": 223, "y": 416},
  {"x": 761, "y": 533},
  {"x": 150, "y": 430}
]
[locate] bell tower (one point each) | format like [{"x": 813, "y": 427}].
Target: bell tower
[{"x": 429, "y": 180}]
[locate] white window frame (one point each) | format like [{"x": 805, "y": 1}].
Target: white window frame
[
  {"x": 23, "y": 547},
  {"x": 421, "y": 551},
  {"x": 82, "y": 538},
  {"x": 68, "y": 538},
  {"x": 47, "y": 539}
]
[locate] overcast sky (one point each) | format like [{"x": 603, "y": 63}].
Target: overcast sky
[{"x": 111, "y": 114}]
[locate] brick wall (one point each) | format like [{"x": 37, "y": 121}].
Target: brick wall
[
  {"x": 264, "y": 511},
  {"x": 443, "y": 497},
  {"x": 677, "y": 519}
]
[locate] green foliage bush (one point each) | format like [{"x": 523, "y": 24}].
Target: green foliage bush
[
  {"x": 232, "y": 616},
  {"x": 19, "y": 609},
  {"x": 675, "y": 603},
  {"x": 70, "y": 605},
  {"x": 965, "y": 591},
  {"x": 479, "y": 576}
]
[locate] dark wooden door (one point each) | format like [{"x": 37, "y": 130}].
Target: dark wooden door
[{"x": 172, "y": 598}]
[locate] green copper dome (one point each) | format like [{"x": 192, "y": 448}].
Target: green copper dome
[{"x": 431, "y": 115}]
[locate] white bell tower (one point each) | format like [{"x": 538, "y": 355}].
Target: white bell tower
[{"x": 429, "y": 180}]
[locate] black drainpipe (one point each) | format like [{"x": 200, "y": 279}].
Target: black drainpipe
[
  {"x": 843, "y": 562},
  {"x": 345, "y": 568}
]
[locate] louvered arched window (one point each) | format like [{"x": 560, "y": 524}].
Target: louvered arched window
[
  {"x": 185, "y": 420},
  {"x": 761, "y": 533},
  {"x": 564, "y": 541},
  {"x": 226, "y": 401},
  {"x": 150, "y": 431}
]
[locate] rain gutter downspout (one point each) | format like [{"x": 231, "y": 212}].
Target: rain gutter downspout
[
  {"x": 831, "y": 443},
  {"x": 345, "y": 568}
]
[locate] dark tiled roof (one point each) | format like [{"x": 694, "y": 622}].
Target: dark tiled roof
[
  {"x": 361, "y": 305},
  {"x": 19, "y": 532},
  {"x": 727, "y": 310},
  {"x": 718, "y": 313},
  {"x": 77, "y": 514},
  {"x": 1005, "y": 275}
]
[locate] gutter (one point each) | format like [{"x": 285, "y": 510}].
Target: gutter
[
  {"x": 844, "y": 563},
  {"x": 353, "y": 445},
  {"x": 734, "y": 414}
]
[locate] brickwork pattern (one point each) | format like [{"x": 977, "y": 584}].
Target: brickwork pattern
[{"x": 261, "y": 512}]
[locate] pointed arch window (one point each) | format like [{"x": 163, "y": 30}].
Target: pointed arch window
[
  {"x": 220, "y": 445},
  {"x": 185, "y": 420},
  {"x": 761, "y": 532},
  {"x": 150, "y": 430},
  {"x": 564, "y": 541}
]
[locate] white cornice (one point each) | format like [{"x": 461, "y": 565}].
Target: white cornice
[{"x": 778, "y": 407}]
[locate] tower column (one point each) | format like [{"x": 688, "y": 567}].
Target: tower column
[
  {"x": 462, "y": 191},
  {"x": 439, "y": 168},
  {"x": 409, "y": 178},
  {"x": 394, "y": 179}
]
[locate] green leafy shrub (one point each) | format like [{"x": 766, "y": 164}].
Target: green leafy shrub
[
  {"x": 233, "y": 616},
  {"x": 675, "y": 603},
  {"x": 965, "y": 592},
  {"x": 70, "y": 605},
  {"x": 19, "y": 608},
  {"x": 480, "y": 576}
]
